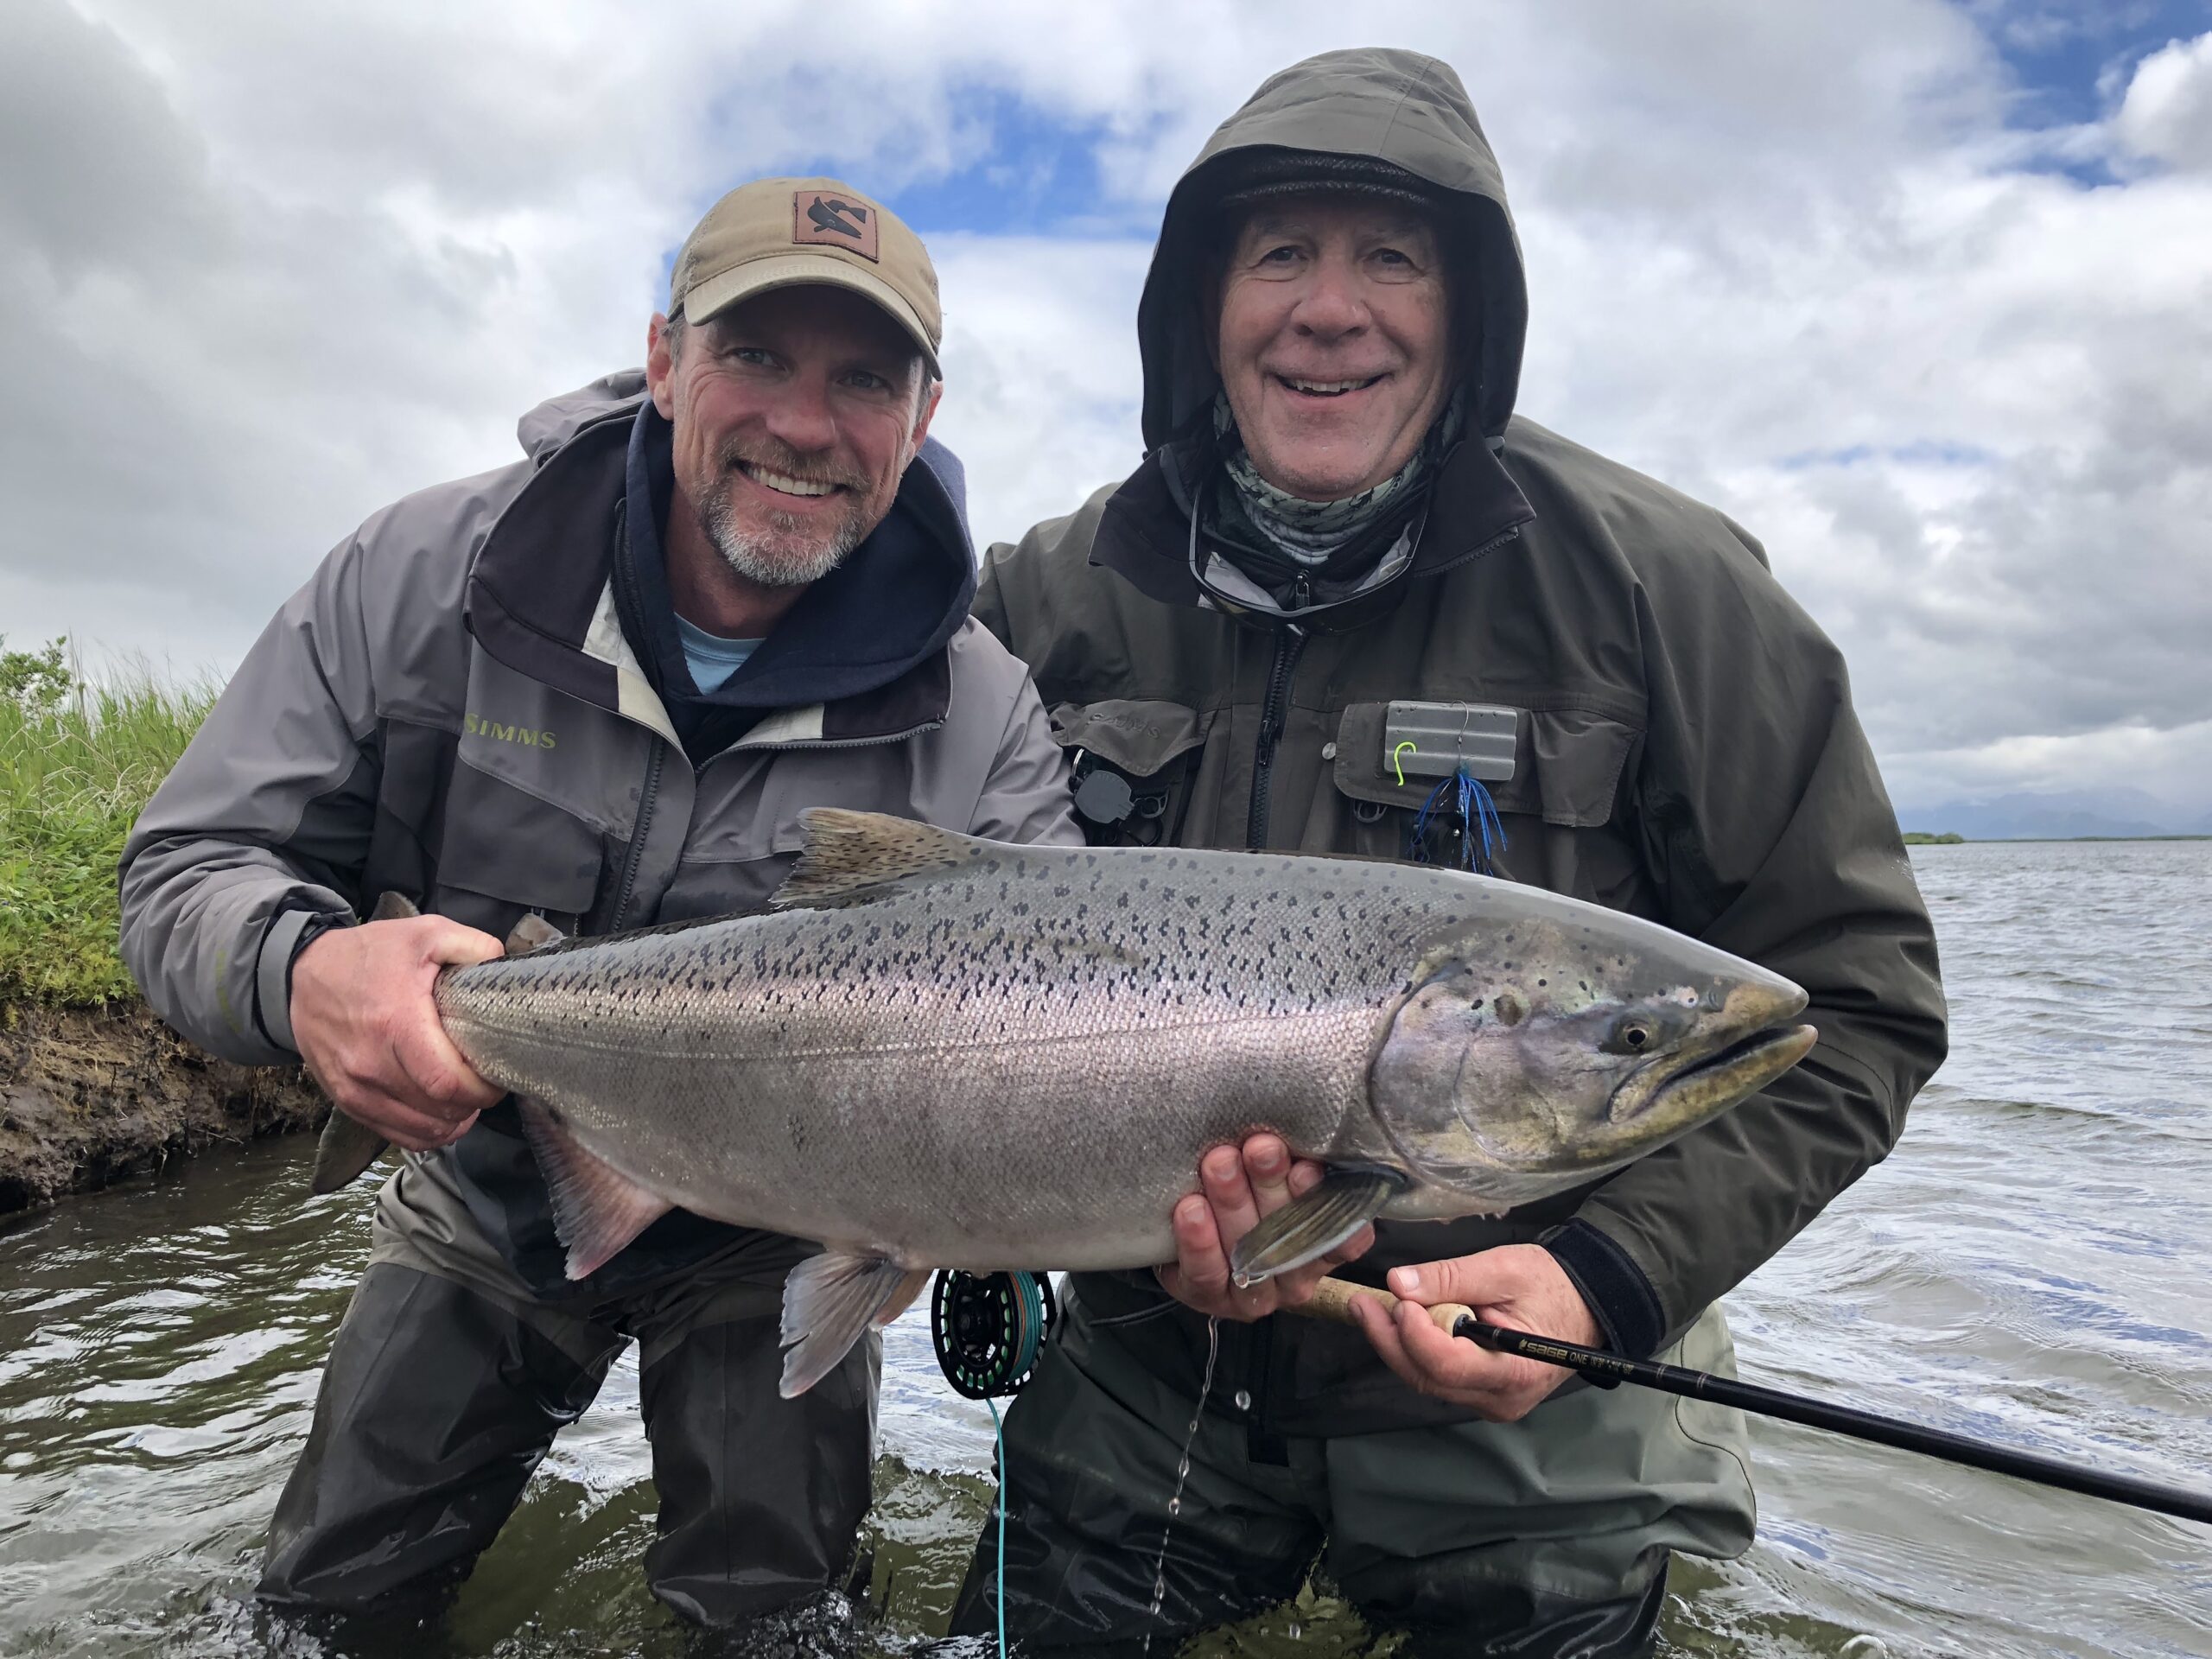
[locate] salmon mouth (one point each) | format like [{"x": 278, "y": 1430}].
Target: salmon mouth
[{"x": 1712, "y": 1083}]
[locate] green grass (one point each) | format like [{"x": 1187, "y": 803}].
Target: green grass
[{"x": 77, "y": 762}]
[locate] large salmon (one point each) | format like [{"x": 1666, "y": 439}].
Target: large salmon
[{"x": 940, "y": 1052}]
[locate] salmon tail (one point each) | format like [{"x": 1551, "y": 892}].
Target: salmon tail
[
  {"x": 597, "y": 1209},
  {"x": 849, "y": 852},
  {"x": 347, "y": 1147},
  {"x": 829, "y": 1301},
  {"x": 1308, "y": 1228}
]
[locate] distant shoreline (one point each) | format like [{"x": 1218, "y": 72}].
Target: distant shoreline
[{"x": 1920, "y": 838}]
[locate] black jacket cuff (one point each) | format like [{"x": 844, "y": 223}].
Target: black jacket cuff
[{"x": 1626, "y": 1306}]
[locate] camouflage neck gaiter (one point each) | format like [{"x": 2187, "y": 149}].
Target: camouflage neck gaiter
[{"x": 1310, "y": 533}]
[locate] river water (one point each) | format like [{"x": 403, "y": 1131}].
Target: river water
[{"x": 2033, "y": 1265}]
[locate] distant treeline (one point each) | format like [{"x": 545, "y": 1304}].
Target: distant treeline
[{"x": 1921, "y": 838}]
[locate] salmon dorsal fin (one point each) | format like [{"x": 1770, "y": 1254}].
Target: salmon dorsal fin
[{"x": 849, "y": 852}]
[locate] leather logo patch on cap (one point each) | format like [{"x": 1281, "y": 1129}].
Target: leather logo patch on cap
[{"x": 831, "y": 221}]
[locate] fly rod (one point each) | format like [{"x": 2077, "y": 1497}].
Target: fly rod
[{"x": 1333, "y": 1299}]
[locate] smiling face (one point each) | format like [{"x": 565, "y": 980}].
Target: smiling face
[
  {"x": 1333, "y": 341},
  {"x": 795, "y": 415}
]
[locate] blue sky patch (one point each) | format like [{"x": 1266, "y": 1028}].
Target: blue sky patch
[
  {"x": 2071, "y": 61},
  {"x": 2072, "y": 58},
  {"x": 1920, "y": 452}
]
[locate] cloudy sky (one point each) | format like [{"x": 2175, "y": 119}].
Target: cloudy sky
[{"x": 1921, "y": 292}]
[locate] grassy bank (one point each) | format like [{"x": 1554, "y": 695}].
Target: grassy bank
[
  {"x": 93, "y": 1087},
  {"x": 77, "y": 762}
]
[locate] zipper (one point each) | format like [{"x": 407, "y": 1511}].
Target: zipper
[
  {"x": 802, "y": 743},
  {"x": 1288, "y": 644},
  {"x": 639, "y": 830}
]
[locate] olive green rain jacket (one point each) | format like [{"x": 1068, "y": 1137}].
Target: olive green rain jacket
[{"x": 1683, "y": 740}]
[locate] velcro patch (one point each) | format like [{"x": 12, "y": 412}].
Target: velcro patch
[{"x": 831, "y": 221}]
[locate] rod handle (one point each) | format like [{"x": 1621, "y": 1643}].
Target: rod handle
[{"x": 1333, "y": 1298}]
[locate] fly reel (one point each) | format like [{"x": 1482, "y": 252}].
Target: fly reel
[{"x": 989, "y": 1329}]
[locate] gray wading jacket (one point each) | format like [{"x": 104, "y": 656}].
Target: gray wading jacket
[
  {"x": 1682, "y": 738},
  {"x": 450, "y": 710}
]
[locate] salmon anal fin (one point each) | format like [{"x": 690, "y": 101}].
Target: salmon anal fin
[
  {"x": 1308, "y": 1228},
  {"x": 597, "y": 1209},
  {"x": 829, "y": 1302},
  {"x": 849, "y": 852}
]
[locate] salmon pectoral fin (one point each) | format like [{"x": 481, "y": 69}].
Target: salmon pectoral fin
[
  {"x": 533, "y": 932},
  {"x": 1310, "y": 1227},
  {"x": 829, "y": 1301},
  {"x": 347, "y": 1147},
  {"x": 393, "y": 908},
  {"x": 597, "y": 1209}
]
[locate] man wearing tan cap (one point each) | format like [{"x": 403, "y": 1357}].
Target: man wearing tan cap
[{"x": 596, "y": 687}]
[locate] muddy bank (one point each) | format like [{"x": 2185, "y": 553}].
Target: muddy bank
[{"x": 90, "y": 1095}]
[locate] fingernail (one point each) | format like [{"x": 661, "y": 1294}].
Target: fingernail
[{"x": 1405, "y": 1281}]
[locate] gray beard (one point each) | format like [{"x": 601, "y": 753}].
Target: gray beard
[{"x": 772, "y": 562}]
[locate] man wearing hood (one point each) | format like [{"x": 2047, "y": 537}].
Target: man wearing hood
[
  {"x": 598, "y": 687},
  {"x": 1350, "y": 603}
]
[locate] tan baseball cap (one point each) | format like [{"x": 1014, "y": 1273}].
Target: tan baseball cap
[{"x": 783, "y": 233}]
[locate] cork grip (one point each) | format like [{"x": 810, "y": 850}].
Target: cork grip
[{"x": 1333, "y": 1299}]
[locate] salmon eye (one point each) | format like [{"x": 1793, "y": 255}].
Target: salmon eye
[{"x": 1631, "y": 1035}]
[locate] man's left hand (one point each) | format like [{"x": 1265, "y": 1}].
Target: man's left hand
[{"x": 1521, "y": 1285}]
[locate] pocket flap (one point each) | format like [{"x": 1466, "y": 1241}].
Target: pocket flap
[
  {"x": 1133, "y": 735},
  {"x": 1567, "y": 766},
  {"x": 505, "y": 843},
  {"x": 1577, "y": 759}
]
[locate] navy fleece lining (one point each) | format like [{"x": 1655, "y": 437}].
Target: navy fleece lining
[{"x": 897, "y": 598}]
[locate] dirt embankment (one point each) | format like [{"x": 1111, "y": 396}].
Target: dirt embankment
[{"x": 90, "y": 1095}]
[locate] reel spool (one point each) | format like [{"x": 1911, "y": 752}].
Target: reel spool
[{"x": 989, "y": 1329}]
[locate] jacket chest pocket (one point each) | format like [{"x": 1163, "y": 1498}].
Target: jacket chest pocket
[
  {"x": 1134, "y": 762},
  {"x": 747, "y": 823},
  {"x": 1556, "y": 814},
  {"x": 503, "y": 852}
]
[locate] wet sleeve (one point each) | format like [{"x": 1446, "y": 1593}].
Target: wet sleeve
[
  {"x": 1766, "y": 826},
  {"x": 260, "y": 833}
]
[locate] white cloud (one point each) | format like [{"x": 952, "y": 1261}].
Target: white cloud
[
  {"x": 263, "y": 267},
  {"x": 2167, "y": 113}
]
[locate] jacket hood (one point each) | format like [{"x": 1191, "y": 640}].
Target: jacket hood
[
  {"x": 553, "y": 423},
  {"x": 1372, "y": 104}
]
